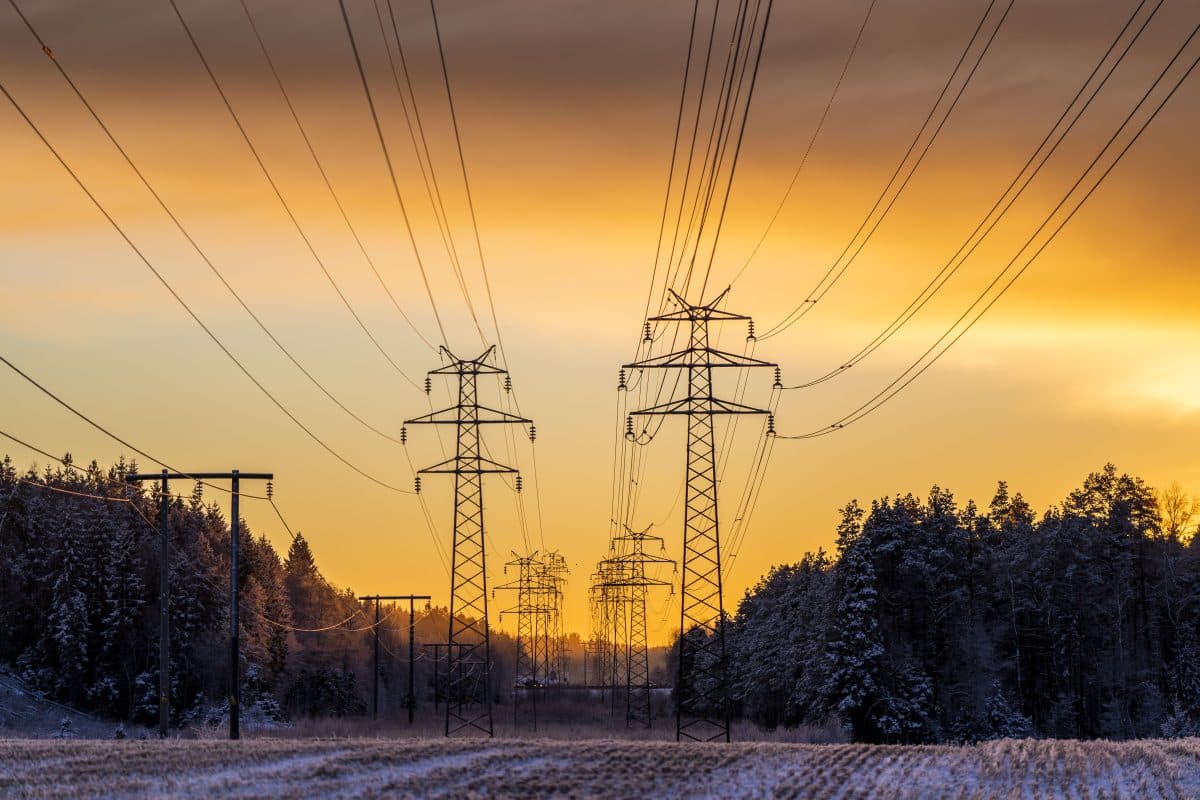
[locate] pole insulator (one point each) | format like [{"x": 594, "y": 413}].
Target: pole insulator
[
  {"x": 770, "y": 425},
  {"x": 778, "y": 379},
  {"x": 428, "y": 384},
  {"x": 532, "y": 432},
  {"x": 629, "y": 427},
  {"x": 750, "y": 337},
  {"x": 621, "y": 385},
  {"x": 519, "y": 484},
  {"x": 646, "y": 335},
  {"x": 508, "y": 383},
  {"x": 403, "y": 434},
  {"x": 417, "y": 484},
  {"x": 270, "y": 489}
]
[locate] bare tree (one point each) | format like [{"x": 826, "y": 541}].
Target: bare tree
[{"x": 1179, "y": 510}]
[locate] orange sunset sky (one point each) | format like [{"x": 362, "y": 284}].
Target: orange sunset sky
[{"x": 567, "y": 113}]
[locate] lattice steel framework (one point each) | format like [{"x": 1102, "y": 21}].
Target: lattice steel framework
[
  {"x": 609, "y": 599},
  {"x": 530, "y": 670},
  {"x": 701, "y": 687},
  {"x": 468, "y": 684},
  {"x": 631, "y": 577},
  {"x": 555, "y": 574}
]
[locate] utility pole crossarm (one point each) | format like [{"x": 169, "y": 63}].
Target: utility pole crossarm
[
  {"x": 235, "y": 478},
  {"x": 412, "y": 629},
  {"x": 199, "y": 476}
]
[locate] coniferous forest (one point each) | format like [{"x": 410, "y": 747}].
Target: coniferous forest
[
  {"x": 79, "y": 584},
  {"x": 934, "y": 621},
  {"x": 942, "y": 621}
]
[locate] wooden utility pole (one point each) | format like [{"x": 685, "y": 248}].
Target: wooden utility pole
[
  {"x": 164, "y": 684},
  {"x": 412, "y": 651}
]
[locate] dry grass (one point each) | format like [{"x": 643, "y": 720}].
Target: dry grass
[{"x": 363, "y": 767}]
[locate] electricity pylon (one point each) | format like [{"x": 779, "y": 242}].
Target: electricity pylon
[
  {"x": 701, "y": 687},
  {"x": 528, "y": 585},
  {"x": 555, "y": 571},
  {"x": 468, "y": 686},
  {"x": 633, "y": 559},
  {"x": 610, "y": 584},
  {"x": 600, "y": 595}
]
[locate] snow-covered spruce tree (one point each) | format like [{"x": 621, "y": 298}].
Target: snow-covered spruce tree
[
  {"x": 852, "y": 689},
  {"x": 66, "y": 643}
]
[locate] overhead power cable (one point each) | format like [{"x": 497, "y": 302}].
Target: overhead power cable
[
  {"x": 737, "y": 150},
  {"x": 325, "y": 177},
  {"x": 687, "y": 70},
  {"x": 841, "y": 264},
  {"x": 216, "y": 340},
  {"x": 57, "y": 62},
  {"x": 237, "y": 121},
  {"x": 362, "y": 74},
  {"x": 917, "y": 368},
  {"x": 510, "y": 442},
  {"x": 424, "y": 157},
  {"x": 811, "y": 141},
  {"x": 1054, "y": 137}
]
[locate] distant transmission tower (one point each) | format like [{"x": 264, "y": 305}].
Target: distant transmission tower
[
  {"x": 701, "y": 687},
  {"x": 555, "y": 571},
  {"x": 468, "y": 688},
  {"x": 529, "y": 585},
  {"x": 632, "y": 560}
]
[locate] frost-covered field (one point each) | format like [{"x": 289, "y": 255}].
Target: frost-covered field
[{"x": 280, "y": 768}]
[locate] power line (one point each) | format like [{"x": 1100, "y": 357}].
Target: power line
[
  {"x": 811, "y": 141},
  {"x": 325, "y": 177},
  {"x": 92, "y": 422},
  {"x": 915, "y": 369},
  {"x": 717, "y": 140},
  {"x": 509, "y": 440},
  {"x": 188, "y": 236},
  {"x": 462, "y": 162},
  {"x": 362, "y": 74},
  {"x": 428, "y": 177},
  {"x": 687, "y": 69},
  {"x": 837, "y": 269},
  {"x": 738, "y": 147},
  {"x": 186, "y": 307},
  {"x": 279, "y": 195},
  {"x": 964, "y": 251}
]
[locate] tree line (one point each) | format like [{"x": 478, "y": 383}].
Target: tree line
[
  {"x": 936, "y": 621},
  {"x": 79, "y": 577}
]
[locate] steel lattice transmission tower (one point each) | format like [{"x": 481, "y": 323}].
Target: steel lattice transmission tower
[
  {"x": 555, "y": 573},
  {"x": 529, "y": 585},
  {"x": 701, "y": 688},
  {"x": 468, "y": 687},
  {"x": 630, "y": 577},
  {"x": 607, "y": 596}
]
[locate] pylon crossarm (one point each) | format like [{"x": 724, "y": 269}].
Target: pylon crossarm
[
  {"x": 646, "y": 582},
  {"x": 468, "y": 366},
  {"x": 480, "y": 415},
  {"x": 690, "y": 312},
  {"x": 687, "y": 406},
  {"x": 466, "y": 465},
  {"x": 698, "y": 357}
]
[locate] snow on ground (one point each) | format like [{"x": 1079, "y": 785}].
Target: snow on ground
[{"x": 290, "y": 768}]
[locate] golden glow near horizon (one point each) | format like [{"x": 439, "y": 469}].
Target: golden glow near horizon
[{"x": 567, "y": 112}]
